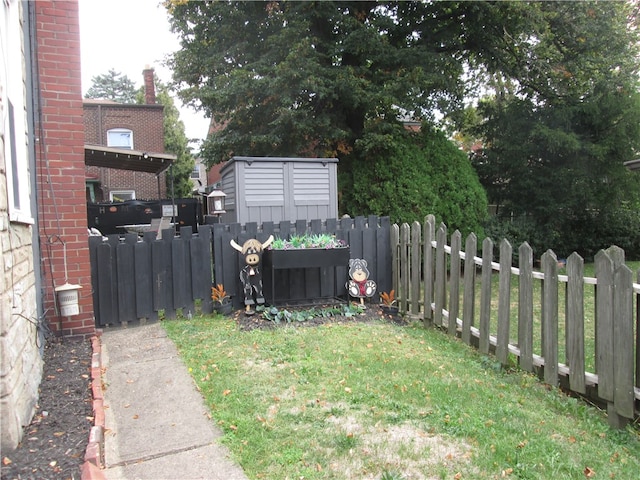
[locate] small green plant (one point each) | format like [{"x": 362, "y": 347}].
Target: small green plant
[
  {"x": 274, "y": 314},
  {"x": 391, "y": 475},
  {"x": 318, "y": 240},
  {"x": 345, "y": 442}
]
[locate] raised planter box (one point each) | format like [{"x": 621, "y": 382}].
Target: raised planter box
[{"x": 306, "y": 258}]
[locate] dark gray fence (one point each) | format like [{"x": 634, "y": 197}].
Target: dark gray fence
[
  {"x": 134, "y": 278},
  {"x": 368, "y": 238}
]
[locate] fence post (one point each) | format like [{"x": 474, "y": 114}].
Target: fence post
[
  {"x": 637, "y": 345},
  {"x": 404, "y": 273},
  {"x": 574, "y": 336},
  {"x": 550, "y": 317},
  {"x": 623, "y": 395},
  {"x": 485, "y": 296},
  {"x": 504, "y": 302},
  {"x": 429, "y": 265},
  {"x": 525, "y": 307},
  {"x": 441, "y": 274},
  {"x": 395, "y": 250},
  {"x": 416, "y": 244},
  {"x": 454, "y": 283},
  {"x": 604, "y": 324},
  {"x": 469, "y": 296}
]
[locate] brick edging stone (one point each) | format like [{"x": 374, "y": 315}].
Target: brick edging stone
[{"x": 94, "y": 454}]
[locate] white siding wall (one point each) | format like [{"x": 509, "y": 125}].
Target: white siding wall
[{"x": 20, "y": 356}]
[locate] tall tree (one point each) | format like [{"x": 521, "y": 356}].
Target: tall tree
[
  {"x": 333, "y": 78},
  {"x": 556, "y": 149},
  {"x": 176, "y": 142}
]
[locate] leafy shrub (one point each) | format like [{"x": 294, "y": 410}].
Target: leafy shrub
[
  {"x": 584, "y": 233},
  {"x": 407, "y": 176}
]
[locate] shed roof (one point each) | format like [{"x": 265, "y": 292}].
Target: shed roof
[{"x": 127, "y": 159}]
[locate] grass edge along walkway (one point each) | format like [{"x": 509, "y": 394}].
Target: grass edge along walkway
[{"x": 374, "y": 400}]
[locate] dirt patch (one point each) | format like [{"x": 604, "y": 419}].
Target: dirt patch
[
  {"x": 419, "y": 455},
  {"x": 54, "y": 443}
]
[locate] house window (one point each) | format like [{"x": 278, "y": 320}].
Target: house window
[
  {"x": 122, "y": 195},
  {"x": 120, "y": 138},
  {"x": 13, "y": 120},
  {"x": 195, "y": 173}
]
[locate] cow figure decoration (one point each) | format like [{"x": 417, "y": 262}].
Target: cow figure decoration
[{"x": 251, "y": 274}]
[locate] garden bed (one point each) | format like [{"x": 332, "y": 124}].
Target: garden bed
[{"x": 372, "y": 313}]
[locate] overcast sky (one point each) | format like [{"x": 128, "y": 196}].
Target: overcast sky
[{"x": 128, "y": 35}]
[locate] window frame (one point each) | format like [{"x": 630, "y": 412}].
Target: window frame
[
  {"x": 13, "y": 115},
  {"x": 132, "y": 193},
  {"x": 120, "y": 131}
]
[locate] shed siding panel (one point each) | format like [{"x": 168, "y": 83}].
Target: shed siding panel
[
  {"x": 264, "y": 185},
  {"x": 311, "y": 185},
  {"x": 263, "y": 189}
]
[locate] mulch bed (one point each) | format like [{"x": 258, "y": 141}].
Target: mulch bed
[{"x": 54, "y": 444}]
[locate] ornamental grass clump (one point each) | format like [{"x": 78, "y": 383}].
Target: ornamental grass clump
[{"x": 318, "y": 240}]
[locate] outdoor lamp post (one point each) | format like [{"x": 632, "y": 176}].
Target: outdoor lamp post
[{"x": 215, "y": 202}]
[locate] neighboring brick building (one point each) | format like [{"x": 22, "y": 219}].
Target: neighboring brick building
[{"x": 128, "y": 126}]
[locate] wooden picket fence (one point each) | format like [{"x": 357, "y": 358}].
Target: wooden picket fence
[{"x": 452, "y": 288}]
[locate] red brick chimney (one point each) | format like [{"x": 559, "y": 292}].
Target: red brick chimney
[{"x": 149, "y": 87}]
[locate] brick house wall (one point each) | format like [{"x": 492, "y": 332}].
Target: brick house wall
[
  {"x": 62, "y": 209},
  {"x": 146, "y": 124}
]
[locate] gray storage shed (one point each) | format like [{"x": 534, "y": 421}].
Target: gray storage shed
[{"x": 263, "y": 189}]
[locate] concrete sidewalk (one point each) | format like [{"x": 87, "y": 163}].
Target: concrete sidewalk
[{"x": 156, "y": 423}]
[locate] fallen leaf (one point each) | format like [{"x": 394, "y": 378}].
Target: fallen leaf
[
  {"x": 58, "y": 434},
  {"x": 135, "y": 417},
  {"x": 6, "y": 460},
  {"x": 233, "y": 427},
  {"x": 589, "y": 472},
  {"x": 457, "y": 476},
  {"x": 226, "y": 392}
]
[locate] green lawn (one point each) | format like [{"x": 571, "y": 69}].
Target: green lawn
[{"x": 372, "y": 401}]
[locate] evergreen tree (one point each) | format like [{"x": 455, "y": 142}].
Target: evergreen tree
[{"x": 112, "y": 86}]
